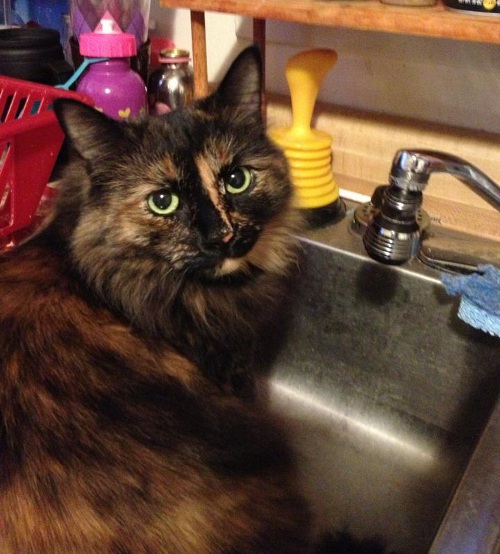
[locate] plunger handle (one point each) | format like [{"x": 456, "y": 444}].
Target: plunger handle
[{"x": 304, "y": 73}]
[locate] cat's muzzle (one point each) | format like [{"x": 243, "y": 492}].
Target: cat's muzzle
[{"x": 241, "y": 242}]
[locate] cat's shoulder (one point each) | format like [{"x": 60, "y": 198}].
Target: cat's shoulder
[{"x": 32, "y": 277}]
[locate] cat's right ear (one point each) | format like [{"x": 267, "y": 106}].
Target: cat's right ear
[{"x": 91, "y": 133}]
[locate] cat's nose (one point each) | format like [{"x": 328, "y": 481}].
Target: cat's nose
[
  {"x": 218, "y": 240},
  {"x": 227, "y": 237},
  {"x": 229, "y": 243}
]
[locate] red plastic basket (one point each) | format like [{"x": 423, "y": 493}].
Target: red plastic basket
[{"x": 30, "y": 140}]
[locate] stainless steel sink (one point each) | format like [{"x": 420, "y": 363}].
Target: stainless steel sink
[{"x": 392, "y": 401}]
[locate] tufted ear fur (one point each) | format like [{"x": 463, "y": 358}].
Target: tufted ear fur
[
  {"x": 92, "y": 134},
  {"x": 241, "y": 88}
]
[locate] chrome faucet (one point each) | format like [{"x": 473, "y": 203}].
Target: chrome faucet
[{"x": 394, "y": 224}]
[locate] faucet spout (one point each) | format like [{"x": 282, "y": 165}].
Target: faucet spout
[
  {"x": 393, "y": 234},
  {"x": 411, "y": 170}
]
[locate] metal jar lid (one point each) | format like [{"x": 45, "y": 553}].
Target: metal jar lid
[{"x": 174, "y": 55}]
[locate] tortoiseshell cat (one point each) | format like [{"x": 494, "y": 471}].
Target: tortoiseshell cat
[
  {"x": 129, "y": 334},
  {"x": 127, "y": 337}
]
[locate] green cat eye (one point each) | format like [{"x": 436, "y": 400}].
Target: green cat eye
[
  {"x": 238, "y": 180},
  {"x": 163, "y": 202}
]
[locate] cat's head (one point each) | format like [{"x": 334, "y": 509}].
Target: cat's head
[{"x": 200, "y": 191}]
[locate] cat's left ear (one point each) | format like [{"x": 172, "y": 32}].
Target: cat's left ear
[{"x": 241, "y": 88}]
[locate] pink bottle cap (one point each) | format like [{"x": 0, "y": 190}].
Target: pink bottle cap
[{"x": 107, "y": 41}]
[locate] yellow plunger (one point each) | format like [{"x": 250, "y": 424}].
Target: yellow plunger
[{"x": 308, "y": 150}]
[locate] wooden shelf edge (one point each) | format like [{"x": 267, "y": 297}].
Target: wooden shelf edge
[{"x": 364, "y": 15}]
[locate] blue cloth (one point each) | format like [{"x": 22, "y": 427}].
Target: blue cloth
[{"x": 480, "y": 304}]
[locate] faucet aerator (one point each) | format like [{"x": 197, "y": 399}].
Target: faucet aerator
[{"x": 393, "y": 221}]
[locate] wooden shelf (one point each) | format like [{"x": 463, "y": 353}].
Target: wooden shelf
[{"x": 364, "y": 15}]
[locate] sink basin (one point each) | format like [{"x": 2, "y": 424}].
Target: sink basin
[{"x": 391, "y": 402}]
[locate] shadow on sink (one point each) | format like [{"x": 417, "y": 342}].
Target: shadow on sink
[{"x": 386, "y": 391}]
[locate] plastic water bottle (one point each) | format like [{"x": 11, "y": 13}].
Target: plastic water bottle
[{"x": 116, "y": 89}]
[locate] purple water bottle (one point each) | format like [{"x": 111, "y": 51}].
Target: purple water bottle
[{"x": 116, "y": 89}]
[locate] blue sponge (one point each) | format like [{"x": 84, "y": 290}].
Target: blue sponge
[{"x": 480, "y": 303}]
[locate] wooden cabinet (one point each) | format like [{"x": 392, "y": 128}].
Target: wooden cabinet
[{"x": 364, "y": 15}]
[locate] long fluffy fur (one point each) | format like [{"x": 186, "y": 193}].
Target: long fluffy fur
[
  {"x": 128, "y": 420},
  {"x": 129, "y": 343}
]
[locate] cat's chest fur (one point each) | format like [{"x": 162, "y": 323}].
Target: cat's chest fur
[{"x": 49, "y": 312}]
